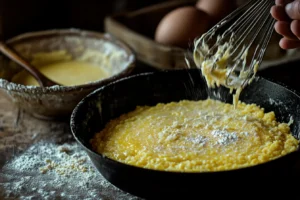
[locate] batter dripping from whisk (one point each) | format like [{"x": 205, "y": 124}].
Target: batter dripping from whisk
[
  {"x": 216, "y": 70},
  {"x": 226, "y": 62}
]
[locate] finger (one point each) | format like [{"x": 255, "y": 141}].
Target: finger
[
  {"x": 289, "y": 44},
  {"x": 293, "y": 10},
  {"x": 278, "y": 12},
  {"x": 284, "y": 29},
  {"x": 295, "y": 28},
  {"x": 282, "y": 2}
]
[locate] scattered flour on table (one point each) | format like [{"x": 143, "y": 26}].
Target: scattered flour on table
[{"x": 50, "y": 171}]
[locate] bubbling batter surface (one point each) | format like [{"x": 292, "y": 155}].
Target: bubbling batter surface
[{"x": 195, "y": 136}]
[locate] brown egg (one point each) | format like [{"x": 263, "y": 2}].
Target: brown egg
[
  {"x": 181, "y": 26},
  {"x": 216, "y": 9}
]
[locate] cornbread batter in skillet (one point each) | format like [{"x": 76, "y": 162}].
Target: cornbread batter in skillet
[
  {"x": 195, "y": 136},
  {"x": 199, "y": 136}
]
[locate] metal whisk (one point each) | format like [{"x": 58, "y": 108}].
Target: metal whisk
[{"x": 244, "y": 36}]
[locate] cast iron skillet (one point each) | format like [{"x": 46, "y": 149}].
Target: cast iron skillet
[{"x": 122, "y": 96}]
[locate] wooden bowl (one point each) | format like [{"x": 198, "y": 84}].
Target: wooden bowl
[{"x": 58, "y": 101}]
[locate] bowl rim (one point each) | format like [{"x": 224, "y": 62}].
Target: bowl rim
[
  {"x": 145, "y": 74},
  {"x": 11, "y": 86}
]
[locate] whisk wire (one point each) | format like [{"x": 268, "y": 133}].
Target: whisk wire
[
  {"x": 235, "y": 30},
  {"x": 253, "y": 38},
  {"x": 251, "y": 28},
  {"x": 254, "y": 18},
  {"x": 241, "y": 22},
  {"x": 262, "y": 47},
  {"x": 229, "y": 17},
  {"x": 210, "y": 33}
]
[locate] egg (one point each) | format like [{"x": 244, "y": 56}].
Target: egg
[
  {"x": 181, "y": 26},
  {"x": 216, "y": 9}
]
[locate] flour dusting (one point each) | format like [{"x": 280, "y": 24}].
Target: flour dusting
[
  {"x": 51, "y": 171},
  {"x": 223, "y": 137}
]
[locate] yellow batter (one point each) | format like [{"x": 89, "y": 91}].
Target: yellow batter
[
  {"x": 67, "y": 73},
  {"x": 217, "y": 68},
  {"x": 60, "y": 67},
  {"x": 195, "y": 136}
]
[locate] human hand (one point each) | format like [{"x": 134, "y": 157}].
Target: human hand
[{"x": 287, "y": 14}]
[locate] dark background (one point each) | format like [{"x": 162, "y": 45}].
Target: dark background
[{"x": 19, "y": 16}]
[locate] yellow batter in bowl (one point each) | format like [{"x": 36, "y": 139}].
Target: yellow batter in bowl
[
  {"x": 67, "y": 73},
  {"x": 60, "y": 67},
  {"x": 195, "y": 136}
]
